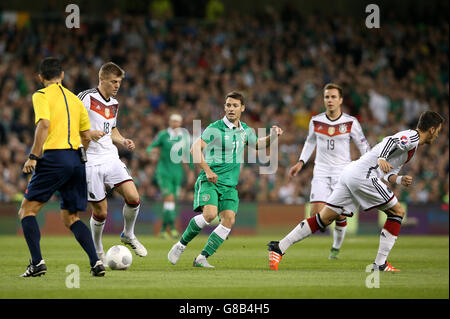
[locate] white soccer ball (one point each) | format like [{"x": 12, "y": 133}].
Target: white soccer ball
[{"x": 118, "y": 258}]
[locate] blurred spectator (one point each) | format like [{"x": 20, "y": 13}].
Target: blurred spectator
[{"x": 279, "y": 61}]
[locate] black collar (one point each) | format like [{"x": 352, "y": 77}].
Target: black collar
[
  {"x": 106, "y": 100},
  {"x": 334, "y": 119}
]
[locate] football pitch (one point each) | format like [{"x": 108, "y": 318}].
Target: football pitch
[{"x": 241, "y": 271}]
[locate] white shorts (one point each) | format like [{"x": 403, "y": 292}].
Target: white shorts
[
  {"x": 354, "y": 190},
  {"x": 321, "y": 188},
  {"x": 100, "y": 176}
]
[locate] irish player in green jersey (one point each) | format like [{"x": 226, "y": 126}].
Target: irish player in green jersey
[
  {"x": 215, "y": 189},
  {"x": 169, "y": 171}
]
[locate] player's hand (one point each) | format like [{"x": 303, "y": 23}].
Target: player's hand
[
  {"x": 29, "y": 166},
  {"x": 212, "y": 177},
  {"x": 384, "y": 165},
  {"x": 295, "y": 169},
  {"x": 276, "y": 130},
  {"x": 96, "y": 135},
  {"x": 406, "y": 180},
  {"x": 129, "y": 144}
]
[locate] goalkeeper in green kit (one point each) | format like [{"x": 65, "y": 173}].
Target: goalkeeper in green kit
[
  {"x": 215, "y": 189},
  {"x": 169, "y": 171}
]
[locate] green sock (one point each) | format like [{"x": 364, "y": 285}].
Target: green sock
[
  {"x": 213, "y": 243},
  {"x": 165, "y": 220},
  {"x": 172, "y": 215},
  {"x": 191, "y": 231}
]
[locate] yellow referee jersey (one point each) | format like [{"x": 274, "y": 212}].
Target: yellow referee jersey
[{"x": 66, "y": 114}]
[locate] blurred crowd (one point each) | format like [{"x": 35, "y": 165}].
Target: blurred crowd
[{"x": 280, "y": 61}]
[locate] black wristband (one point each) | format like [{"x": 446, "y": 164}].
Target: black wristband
[{"x": 33, "y": 157}]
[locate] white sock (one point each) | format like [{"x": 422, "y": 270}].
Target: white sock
[
  {"x": 97, "y": 231},
  {"x": 387, "y": 241},
  {"x": 300, "y": 232},
  {"x": 200, "y": 221},
  {"x": 222, "y": 231},
  {"x": 129, "y": 219},
  {"x": 338, "y": 236}
]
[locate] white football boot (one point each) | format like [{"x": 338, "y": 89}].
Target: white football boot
[
  {"x": 201, "y": 261},
  {"x": 138, "y": 248},
  {"x": 175, "y": 252}
]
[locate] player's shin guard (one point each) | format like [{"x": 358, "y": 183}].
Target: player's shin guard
[
  {"x": 32, "y": 236},
  {"x": 130, "y": 212},
  {"x": 216, "y": 239},
  {"x": 339, "y": 233},
  {"x": 388, "y": 236},
  {"x": 196, "y": 224},
  {"x": 301, "y": 231}
]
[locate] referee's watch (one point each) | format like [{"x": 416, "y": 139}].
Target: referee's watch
[{"x": 33, "y": 157}]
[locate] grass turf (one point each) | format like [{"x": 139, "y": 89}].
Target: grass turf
[{"x": 241, "y": 270}]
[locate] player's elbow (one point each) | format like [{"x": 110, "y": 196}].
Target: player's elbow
[{"x": 44, "y": 124}]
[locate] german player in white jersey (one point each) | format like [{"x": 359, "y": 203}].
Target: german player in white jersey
[
  {"x": 104, "y": 167},
  {"x": 360, "y": 185},
  {"x": 330, "y": 134}
]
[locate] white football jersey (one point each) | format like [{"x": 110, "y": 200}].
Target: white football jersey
[
  {"x": 397, "y": 149},
  {"x": 103, "y": 116},
  {"x": 332, "y": 139}
]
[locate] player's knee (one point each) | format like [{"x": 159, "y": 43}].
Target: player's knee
[
  {"x": 396, "y": 210},
  {"x": 133, "y": 199},
  {"x": 209, "y": 216},
  {"x": 228, "y": 221},
  {"x": 99, "y": 214},
  {"x": 68, "y": 219}
]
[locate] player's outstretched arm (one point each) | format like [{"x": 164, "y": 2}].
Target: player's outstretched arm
[
  {"x": 198, "y": 158},
  {"x": 264, "y": 142}
]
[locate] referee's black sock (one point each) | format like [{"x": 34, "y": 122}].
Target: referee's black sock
[
  {"x": 84, "y": 237},
  {"x": 32, "y": 236}
]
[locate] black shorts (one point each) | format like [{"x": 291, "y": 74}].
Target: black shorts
[{"x": 62, "y": 171}]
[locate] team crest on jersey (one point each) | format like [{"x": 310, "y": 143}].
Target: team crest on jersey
[
  {"x": 331, "y": 130},
  {"x": 342, "y": 128},
  {"x": 206, "y": 197},
  {"x": 404, "y": 140}
]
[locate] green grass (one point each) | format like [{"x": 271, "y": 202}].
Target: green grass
[{"x": 241, "y": 270}]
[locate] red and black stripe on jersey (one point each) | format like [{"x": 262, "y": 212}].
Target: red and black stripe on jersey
[{"x": 107, "y": 111}]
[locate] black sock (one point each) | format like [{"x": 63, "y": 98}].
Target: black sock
[
  {"x": 84, "y": 237},
  {"x": 32, "y": 235}
]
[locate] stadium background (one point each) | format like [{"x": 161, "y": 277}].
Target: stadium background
[{"x": 184, "y": 56}]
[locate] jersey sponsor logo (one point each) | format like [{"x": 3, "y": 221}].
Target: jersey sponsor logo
[
  {"x": 404, "y": 140},
  {"x": 107, "y": 111},
  {"x": 332, "y": 130}
]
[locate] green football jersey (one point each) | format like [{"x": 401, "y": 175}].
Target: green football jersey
[
  {"x": 174, "y": 151},
  {"x": 225, "y": 151}
]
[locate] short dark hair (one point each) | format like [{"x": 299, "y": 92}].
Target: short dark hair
[
  {"x": 330, "y": 86},
  {"x": 429, "y": 119},
  {"x": 236, "y": 95},
  {"x": 111, "y": 68},
  {"x": 50, "y": 68}
]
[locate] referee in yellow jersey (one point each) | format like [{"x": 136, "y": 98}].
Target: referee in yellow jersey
[{"x": 57, "y": 163}]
